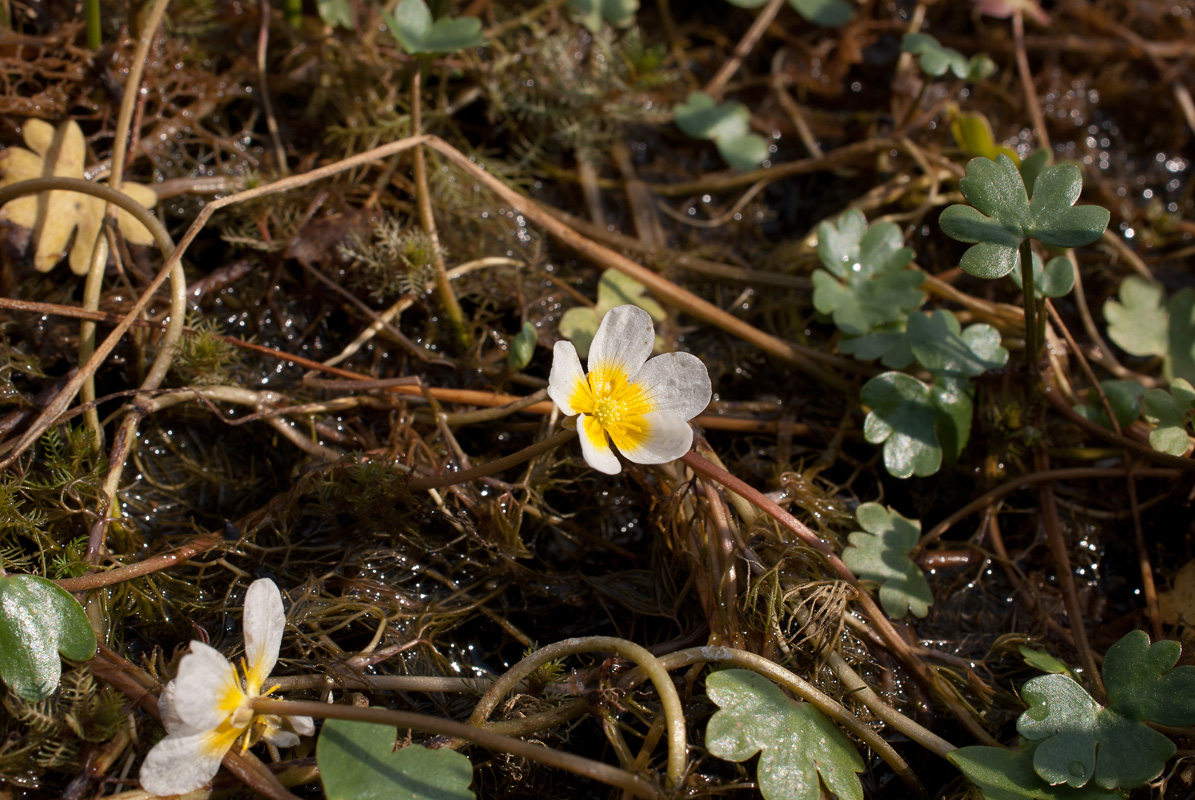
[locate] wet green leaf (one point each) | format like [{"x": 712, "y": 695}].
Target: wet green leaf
[
  {"x": 880, "y": 553},
  {"x": 1055, "y": 279},
  {"x": 937, "y": 59},
  {"x": 904, "y": 420},
  {"x": 592, "y": 13},
  {"x": 39, "y": 621},
  {"x": 1170, "y": 412},
  {"x": 1002, "y": 215},
  {"x": 579, "y": 325},
  {"x": 939, "y": 345},
  {"x": 728, "y": 125},
  {"x": 797, "y": 742},
  {"x": 1081, "y": 741},
  {"x": 889, "y": 344},
  {"x": 1002, "y": 774},
  {"x": 411, "y": 24},
  {"x": 357, "y": 761},
  {"x": 522, "y": 347},
  {"x": 866, "y": 286},
  {"x": 951, "y": 398}
]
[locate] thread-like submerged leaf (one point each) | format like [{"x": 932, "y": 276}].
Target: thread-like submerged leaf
[
  {"x": 797, "y": 743},
  {"x": 39, "y": 621},
  {"x": 357, "y": 761}
]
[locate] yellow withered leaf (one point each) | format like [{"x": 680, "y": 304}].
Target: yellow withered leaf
[{"x": 54, "y": 217}]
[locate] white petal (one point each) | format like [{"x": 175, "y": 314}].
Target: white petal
[
  {"x": 207, "y": 691},
  {"x": 566, "y": 381},
  {"x": 264, "y": 623},
  {"x": 678, "y": 383},
  {"x": 180, "y": 764},
  {"x": 623, "y": 341},
  {"x": 664, "y": 437},
  {"x": 281, "y": 738},
  {"x": 595, "y": 447},
  {"x": 304, "y": 726},
  {"x": 171, "y": 721}
]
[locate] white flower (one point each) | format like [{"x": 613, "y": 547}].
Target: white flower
[
  {"x": 643, "y": 406},
  {"x": 205, "y": 709}
]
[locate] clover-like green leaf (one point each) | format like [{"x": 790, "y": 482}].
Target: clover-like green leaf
[
  {"x": 951, "y": 398},
  {"x": 411, "y": 24},
  {"x": 728, "y": 125},
  {"x": 579, "y": 325},
  {"x": 1002, "y": 215},
  {"x": 1054, "y": 279},
  {"x": 827, "y": 13},
  {"x": 1032, "y": 165},
  {"x": 866, "y": 286},
  {"x": 939, "y": 345},
  {"x": 1081, "y": 741},
  {"x": 1170, "y": 412},
  {"x": 880, "y": 552},
  {"x": 1124, "y": 397},
  {"x": 798, "y": 742},
  {"x": 522, "y": 346},
  {"x": 1002, "y": 774},
  {"x": 903, "y": 419},
  {"x": 1138, "y": 321},
  {"x": 38, "y": 621},
  {"x": 592, "y": 13},
  {"x": 357, "y": 761},
  {"x": 889, "y": 344},
  {"x": 937, "y": 59}
]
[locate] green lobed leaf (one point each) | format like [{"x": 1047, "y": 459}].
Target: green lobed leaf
[
  {"x": 951, "y": 398},
  {"x": 1181, "y": 335},
  {"x": 336, "y": 13},
  {"x": 1002, "y": 774},
  {"x": 592, "y": 13},
  {"x": 935, "y": 58},
  {"x": 939, "y": 346},
  {"x": 725, "y": 124},
  {"x": 1170, "y": 412},
  {"x": 411, "y": 24},
  {"x": 38, "y": 621},
  {"x": 1056, "y": 220},
  {"x": 1032, "y": 166},
  {"x": 579, "y": 325},
  {"x": 880, "y": 553},
  {"x": 1081, "y": 741},
  {"x": 1055, "y": 279},
  {"x": 904, "y": 420},
  {"x": 797, "y": 742},
  {"x": 827, "y": 13},
  {"x": 889, "y": 344},
  {"x": 1138, "y": 321},
  {"x": 357, "y": 761}
]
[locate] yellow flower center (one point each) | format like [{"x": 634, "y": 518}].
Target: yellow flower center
[{"x": 614, "y": 402}]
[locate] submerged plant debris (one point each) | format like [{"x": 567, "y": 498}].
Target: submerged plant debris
[{"x": 339, "y": 382}]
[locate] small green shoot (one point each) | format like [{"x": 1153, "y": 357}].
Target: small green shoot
[
  {"x": 798, "y": 743},
  {"x": 592, "y": 13},
  {"x": 579, "y": 325},
  {"x": 936, "y": 59},
  {"x": 826, "y": 13},
  {"x": 411, "y": 24},
  {"x": 727, "y": 125},
  {"x": 1002, "y": 774},
  {"x": 1042, "y": 661},
  {"x": 1170, "y": 413},
  {"x": 1001, "y": 215},
  {"x": 1055, "y": 279},
  {"x": 1082, "y": 742},
  {"x": 357, "y": 761},
  {"x": 522, "y": 347},
  {"x": 867, "y": 285},
  {"x": 880, "y": 553},
  {"x": 973, "y": 134},
  {"x": 1144, "y": 323},
  {"x": 39, "y": 621}
]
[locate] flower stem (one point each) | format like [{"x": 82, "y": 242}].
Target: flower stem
[
  {"x": 1030, "y": 312},
  {"x": 496, "y": 742},
  {"x": 492, "y": 467},
  {"x": 674, "y": 715}
]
